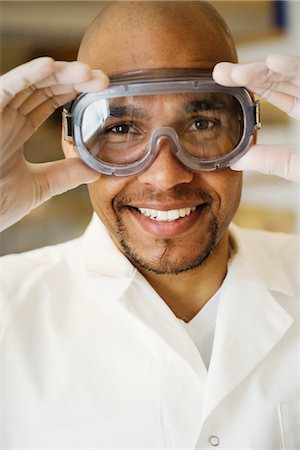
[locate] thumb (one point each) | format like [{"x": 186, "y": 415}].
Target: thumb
[
  {"x": 56, "y": 177},
  {"x": 280, "y": 160}
]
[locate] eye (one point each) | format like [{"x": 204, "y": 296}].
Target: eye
[
  {"x": 121, "y": 128},
  {"x": 122, "y": 132},
  {"x": 203, "y": 124}
]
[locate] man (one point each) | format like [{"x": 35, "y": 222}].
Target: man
[{"x": 96, "y": 350}]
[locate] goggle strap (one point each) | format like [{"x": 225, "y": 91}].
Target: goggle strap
[
  {"x": 256, "y": 111},
  {"x": 67, "y": 121}
]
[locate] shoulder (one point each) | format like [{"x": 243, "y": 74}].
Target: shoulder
[
  {"x": 40, "y": 280},
  {"x": 36, "y": 268},
  {"x": 42, "y": 257},
  {"x": 275, "y": 244},
  {"x": 273, "y": 256}
]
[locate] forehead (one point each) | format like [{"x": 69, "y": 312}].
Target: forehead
[
  {"x": 120, "y": 44},
  {"x": 187, "y": 101}
]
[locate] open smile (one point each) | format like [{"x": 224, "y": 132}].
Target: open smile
[{"x": 166, "y": 223}]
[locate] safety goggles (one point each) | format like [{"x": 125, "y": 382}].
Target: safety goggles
[{"x": 120, "y": 130}]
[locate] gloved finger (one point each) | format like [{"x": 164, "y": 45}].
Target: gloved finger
[
  {"x": 283, "y": 161},
  {"x": 23, "y": 77},
  {"x": 98, "y": 82},
  {"x": 28, "y": 97},
  {"x": 10, "y": 127},
  {"x": 56, "y": 177},
  {"x": 259, "y": 73},
  {"x": 39, "y": 97},
  {"x": 287, "y": 103},
  {"x": 45, "y": 73},
  {"x": 81, "y": 79},
  {"x": 286, "y": 65},
  {"x": 28, "y": 100},
  {"x": 66, "y": 73},
  {"x": 26, "y": 125},
  {"x": 230, "y": 74},
  {"x": 279, "y": 86},
  {"x": 258, "y": 78}
]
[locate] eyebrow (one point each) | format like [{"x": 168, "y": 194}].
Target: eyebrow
[
  {"x": 192, "y": 106},
  {"x": 129, "y": 110},
  {"x": 204, "y": 105}
]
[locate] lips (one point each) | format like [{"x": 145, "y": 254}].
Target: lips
[
  {"x": 163, "y": 223},
  {"x": 166, "y": 215}
]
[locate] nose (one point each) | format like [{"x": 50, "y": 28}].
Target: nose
[{"x": 166, "y": 171}]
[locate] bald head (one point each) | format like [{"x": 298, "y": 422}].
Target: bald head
[{"x": 129, "y": 36}]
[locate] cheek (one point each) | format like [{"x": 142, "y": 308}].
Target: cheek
[
  {"x": 102, "y": 194},
  {"x": 226, "y": 185},
  {"x": 230, "y": 191}
]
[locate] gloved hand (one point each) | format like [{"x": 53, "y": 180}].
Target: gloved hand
[
  {"x": 29, "y": 95},
  {"x": 277, "y": 79}
]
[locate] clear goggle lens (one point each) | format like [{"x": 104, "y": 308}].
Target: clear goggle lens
[{"x": 119, "y": 130}]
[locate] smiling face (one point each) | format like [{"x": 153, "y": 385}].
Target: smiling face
[{"x": 166, "y": 219}]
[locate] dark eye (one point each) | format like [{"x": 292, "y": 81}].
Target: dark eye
[
  {"x": 120, "y": 128},
  {"x": 203, "y": 124}
]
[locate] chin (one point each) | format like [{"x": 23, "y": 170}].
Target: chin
[{"x": 169, "y": 259}]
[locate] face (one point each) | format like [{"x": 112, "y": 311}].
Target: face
[{"x": 166, "y": 219}]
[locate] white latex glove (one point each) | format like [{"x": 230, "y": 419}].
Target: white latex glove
[
  {"x": 28, "y": 96},
  {"x": 277, "y": 79}
]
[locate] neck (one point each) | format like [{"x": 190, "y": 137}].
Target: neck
[{"x": 187, "y": 292}]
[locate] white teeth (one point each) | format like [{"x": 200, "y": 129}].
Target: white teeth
[
  {"x": 173, "y": 215},
  {"x": 166, "y": 216}
]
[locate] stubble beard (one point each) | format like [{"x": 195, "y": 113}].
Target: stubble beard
[
  {"x": 167, "y": 263},
  {"x": 168, "y": 256}
]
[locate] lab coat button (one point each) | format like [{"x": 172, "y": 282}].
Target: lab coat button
[{"x": 214, "y": 441}]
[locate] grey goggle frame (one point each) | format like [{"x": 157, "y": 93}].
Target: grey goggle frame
[{"x": 154, "y": 82}]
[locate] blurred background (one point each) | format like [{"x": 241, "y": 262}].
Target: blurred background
[{"x": 36, "y": 28}]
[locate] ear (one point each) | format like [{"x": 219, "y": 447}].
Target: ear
[{"x": 255, "y": 134}]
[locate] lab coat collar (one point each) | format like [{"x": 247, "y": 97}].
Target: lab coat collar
[
  {"x": 249, "y": 322},
  {"x": 118, "y": 278},
  {"x": 268, "y": 270},
  {"x": 96, "y": 242},
  {"x": 101, "y": 255},
  {"x": 109, "y": 270},
  {"x": 157, "y": 316}
]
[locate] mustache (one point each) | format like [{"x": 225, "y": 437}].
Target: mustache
[{"x": 177, "y": 193}]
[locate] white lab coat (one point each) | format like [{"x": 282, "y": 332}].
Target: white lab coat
[{"x": 93, "y": 358}]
